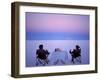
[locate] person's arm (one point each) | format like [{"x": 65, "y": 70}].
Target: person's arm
[
  {"x": 70, "y": 51},
  {"x": 47, "y": 53}
]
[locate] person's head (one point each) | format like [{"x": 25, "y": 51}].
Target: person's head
[
  {"x": 77, "y": 46},
  {"x": 40, "y": 46}
]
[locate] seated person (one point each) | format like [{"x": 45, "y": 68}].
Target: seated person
[
  {"x": 42, "y": 55},
  {"x": 76, "y": 53}
]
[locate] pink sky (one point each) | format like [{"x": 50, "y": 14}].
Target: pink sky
[{"x": 37, "y": 22}]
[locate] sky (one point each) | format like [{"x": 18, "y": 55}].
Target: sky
[{"x": 54, "y": 26}]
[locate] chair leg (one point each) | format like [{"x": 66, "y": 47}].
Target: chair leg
[
  {"x": 78, "y": 59},
  {"x": 72, "y": 60}
]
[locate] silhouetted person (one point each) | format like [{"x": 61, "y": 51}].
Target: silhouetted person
[
  {"x": 76, "y": 53},
  {"x": 42, "y": 55}
]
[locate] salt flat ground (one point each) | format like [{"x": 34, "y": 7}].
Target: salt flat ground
[{"x": 50, "y": 45}]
